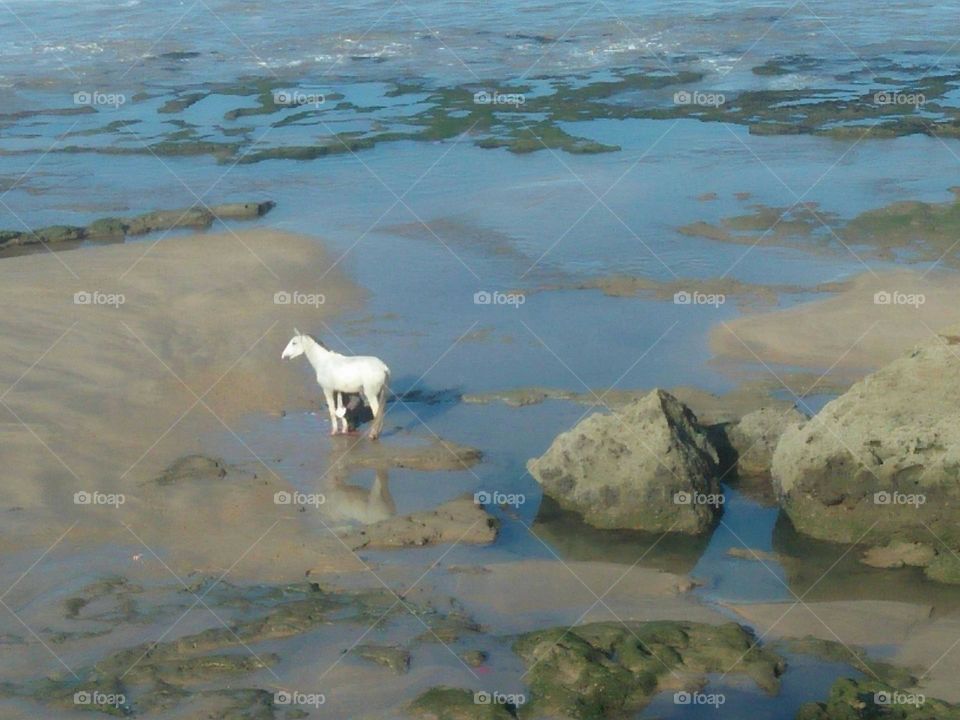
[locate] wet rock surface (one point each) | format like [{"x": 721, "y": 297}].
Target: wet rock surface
[
  {"x": 460, "y": 520},
  {"x": 755, "y": 436},
  {"x": 107, "y": 228},
  {"x": 873, "y": 700},
  {"x": 609, "y": 669},
  {"x": 881, "y": 463},
  {"x": 648, "y": 467}
]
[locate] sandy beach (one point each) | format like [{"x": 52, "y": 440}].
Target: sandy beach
[
  {"x": 104, "y": 397},
  {"x": 871, "y": 321}
]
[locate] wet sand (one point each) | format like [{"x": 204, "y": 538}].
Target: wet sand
[
  {"x": 848, "y": 332},
  {"x": 103, "y": 397}
]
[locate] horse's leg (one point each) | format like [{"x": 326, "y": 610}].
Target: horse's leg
[
  {"x": 331, "y": 408},
  {"x": 341, "y": 412},
  {"x": 378, "y": 405}
]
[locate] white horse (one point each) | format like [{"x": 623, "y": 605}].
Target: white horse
[{"x": 338, "y": 374}]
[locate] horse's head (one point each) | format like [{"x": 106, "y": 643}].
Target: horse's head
[{"x": 295, "y": 347}]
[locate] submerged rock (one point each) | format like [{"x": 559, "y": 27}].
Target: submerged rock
[
  {"x": 394, "y": 658},
  {"x": 648, "y": 467},
  {"x": 871, "y": 700},
  {"x": 881, "y": 464},
  {"x": 461, "y": 520},
  {"x": 613, "y": 669},
  {"x": 193, "y": 467},
  {"x": 755, "y": 436},
  {"x": 446, "y": 703},
  {"x": 198, "y": 217}
]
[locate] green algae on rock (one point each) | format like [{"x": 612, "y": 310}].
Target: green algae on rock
[
  {"x": 391, "y": 657},
  {"x": 445, "y": 703},
  {"x": 156, "y": 676},
  {"x": 197, "y": 217},
  {"x": 611, "y": 669},
  {"x": 873, "y": 700}
]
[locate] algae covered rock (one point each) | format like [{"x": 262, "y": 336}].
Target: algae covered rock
[
  {"x": 881, "y": 463},
  {"x": 647, "y": 467},
  {"x": 872, "y": 700},
  {"x": 391, "y": 657},
  {"x": 444, "y": 703},
  {"x": 612, "y": 669}
]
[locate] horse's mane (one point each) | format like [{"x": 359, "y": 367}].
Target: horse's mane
[{"x": 316, "y": 340}]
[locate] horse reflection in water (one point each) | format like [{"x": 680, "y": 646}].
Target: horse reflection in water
[{"x": 348, "y": 503}]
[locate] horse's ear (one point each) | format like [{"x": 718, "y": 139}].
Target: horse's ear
[{"x": 296, "y": 332}]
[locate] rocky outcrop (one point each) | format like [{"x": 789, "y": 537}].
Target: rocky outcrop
[
  {"x": 613, "y": 669},
  {"x": 880, "y": 464},
  {"x": 200, "y": 217},
  {"x": 755, "y": 436},
  {"x": 647, "y": 467}
]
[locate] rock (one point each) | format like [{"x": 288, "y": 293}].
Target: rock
[
  {"x": 193, "y": 467},
  {"x": 613, "y": 669},
  {"x": 461, "y": 521},
  {"x": 899, "y": 554},
  {"x": 108, "y": 227},
  {"x": 868, "y": 699},
  {"x": 755, "y": 436},
  {"x": 474, "y": 658},
  {"x": 395, "y": 658},
  {"x": 648, "y": 467},
  {"x": 113, "y": 227},
  {"x": 59, "y": 233},
  {"x": 881, "y": 463},
  {"x": 762, "y": 556},
  {"x": 195, "y": 217},
  {"x": 242, "y": 210},
  {"x": 445, "y": 703}
]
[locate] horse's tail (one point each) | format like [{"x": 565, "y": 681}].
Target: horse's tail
[{"x": 381, "y": 404}]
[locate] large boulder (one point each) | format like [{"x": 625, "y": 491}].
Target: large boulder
[
  {"x": 650, "y": 466},
  {"x": 880, "y": 465},
  {"x": 755, "y": 436}
]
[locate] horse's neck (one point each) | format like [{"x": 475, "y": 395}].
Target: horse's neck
[{"x": 318, "y": 355}]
